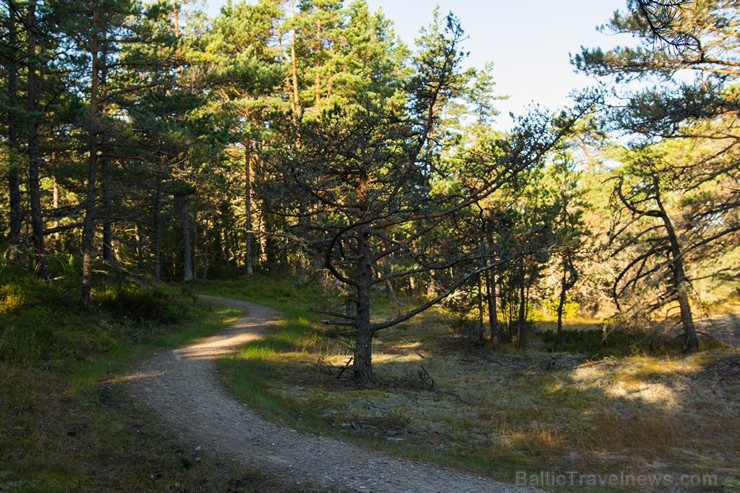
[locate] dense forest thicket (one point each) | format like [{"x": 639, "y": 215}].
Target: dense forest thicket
[{"x": 143, "y": 141}]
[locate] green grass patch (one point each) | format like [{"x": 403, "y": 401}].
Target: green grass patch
[
  {"x": 294, "y": 299},
  {"x": 250, "y": 371}
]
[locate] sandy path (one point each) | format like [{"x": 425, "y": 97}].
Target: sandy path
[{"x": 182, "y": 389}]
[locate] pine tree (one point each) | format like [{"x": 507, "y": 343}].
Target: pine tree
[{"x": 677, "y": 36}]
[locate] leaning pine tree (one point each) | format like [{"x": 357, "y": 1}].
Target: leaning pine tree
[{"x": 679, "y": 182}]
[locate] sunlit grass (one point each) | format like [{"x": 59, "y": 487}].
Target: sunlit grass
[{"x": 494, "y": 412}]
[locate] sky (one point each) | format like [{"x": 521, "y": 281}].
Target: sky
[{"x": 528, "y": 41}]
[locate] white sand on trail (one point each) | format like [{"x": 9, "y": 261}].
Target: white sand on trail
[{"x": 181, "y": 388}]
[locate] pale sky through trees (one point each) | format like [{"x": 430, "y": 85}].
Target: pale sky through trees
[{"x": 528, "y": 41}]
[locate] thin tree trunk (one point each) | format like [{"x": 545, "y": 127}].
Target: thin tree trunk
[
  {"x": 480, "y": 308},
  {"x": 187, "y": 254},
  {"x": 317, "y": 78},
  {"x": 431, "y": 287},
  {"x": 561, "y": 304},
  {"x": 108, "y": 252},
  {"x": 269, "y": 247},
  {"x": 14, "y": 177},
  {"x": 205, "y": 249},
  {"x": 248, "y": 206},
  {"x": 55, "y": 206},
  {"x": 139, "y": 247},
  {"x": 34, "y": 150},
  {"x": 680, "y": 281},
  {"x": 88, "y": 228},
  {"x": 195, "y": 239},
  {"x": 521, "y": 338},
  {"x": 262, "y": 238},
  {"x": 295, "y": 99},
  {"x": 157, "y": 239},
  {"x": 302, "y": 263},
  {"x": 492, "y": 307}
]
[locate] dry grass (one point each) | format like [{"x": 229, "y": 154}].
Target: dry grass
[{"x": 499, "y": 412}]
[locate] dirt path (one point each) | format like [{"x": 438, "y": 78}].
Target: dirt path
[{"x": 182, "y": 389}]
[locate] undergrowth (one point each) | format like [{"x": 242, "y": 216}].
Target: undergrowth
[{"x": 66, "y": 421}]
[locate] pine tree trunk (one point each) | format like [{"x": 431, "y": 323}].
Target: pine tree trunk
[
  {"x": 195, "y": 239},
  {"x": 139, "y": 247},
  {"x": 492, "y": 307},
  {"x": 481, "y": 325},
  {"x": 269, "y": 248},
  {"x": 521, "y": 337},
  {"x": 363, "y": 366},
  {"x": 317, "y": 78},
  {"x": 55, "y": 206},
  {"x": 88, "y": 228},
  {"x": 14, "y": 178},
  {"x": 205, "y": 249},
  {"x": 187, "y": 254},
  {"x": 561, "y": 304},
  {"x": 691, "y": 341},
  {"x": 248, "y": 206},
  {"x": 302, "y": 263},
  {"x": 431, "y": 287},
  {"x": 157, "y": 239},
  {"x": 108, "y": 254},
  {"x": 295, "y": 97},
  {"x": 680, "y": 281},
  {"x": 34, "y": 151}
]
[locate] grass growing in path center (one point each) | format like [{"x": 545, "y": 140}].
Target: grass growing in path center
[{"x": 249, "y": 371}]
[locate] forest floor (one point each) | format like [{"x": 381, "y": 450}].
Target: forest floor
[
  {"x": 182, "y": 388},
  {"x": 540, "y": 413},
  {"x": 65, "y": 422}
]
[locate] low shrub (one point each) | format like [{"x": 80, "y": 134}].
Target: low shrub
[
  {"x": 615, "y": 342},
  {"x": 44, "y": 325},
  {"x": 141, "y": 304}
]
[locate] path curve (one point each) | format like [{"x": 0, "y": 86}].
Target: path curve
[{"x": 183, "y": 391}]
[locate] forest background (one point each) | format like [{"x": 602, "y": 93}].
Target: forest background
[
  {"x": 153, "y": 142},
  {"x": 147, "y": 148}
]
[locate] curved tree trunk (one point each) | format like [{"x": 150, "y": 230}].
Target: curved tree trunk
[
  {"x": 570, "y": 278},
  {"x": 680, "y": 281}
]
